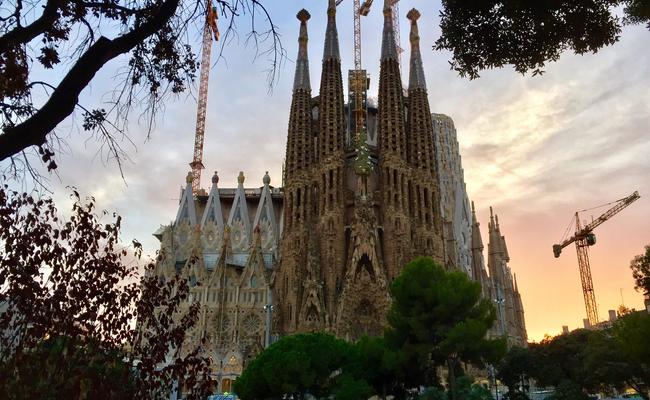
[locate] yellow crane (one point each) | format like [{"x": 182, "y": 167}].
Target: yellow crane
[
  {"x": 210, "y": 31},
  {"x": 583, "y": 238}
]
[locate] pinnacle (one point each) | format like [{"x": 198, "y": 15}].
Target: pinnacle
[
  {"x": 303, "y": 16},
  {"x": 413, "y": 15}
]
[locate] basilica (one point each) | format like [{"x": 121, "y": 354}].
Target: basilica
[{"x": 356, "y": 205}]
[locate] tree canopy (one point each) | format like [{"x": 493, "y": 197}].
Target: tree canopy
[
  {"x": 640, "y": 266},
  {"x": 603, "y": 360},
  {"x": 317, "y": 363},
  {"x": 77, "y": 38},
  {"x": 439, "y": 318},
  {"x": 528, "y": 34},
  {"x": 70, "y": 295}
]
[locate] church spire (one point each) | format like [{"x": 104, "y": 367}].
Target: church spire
[
  {"x": 392, "y": 137},
  {"x": 477, "y": 241},
  {"x": 421, "y": 151},
  {"x": 388, "y": 45},
  {"x": 331, "y": 112},
  {"x": 301, "y": 80},
  {"x": 331, "y": 34},
  {"x": 300, "y": 141},
  {"x": 416, "y": 78}
]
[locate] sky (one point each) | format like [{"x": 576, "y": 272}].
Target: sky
[{"x": 537, "y": 149}]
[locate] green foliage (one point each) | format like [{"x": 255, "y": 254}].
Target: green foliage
[
  {"x": 631, "y": 334},
  {"x": 465, "y": 390},
  {"x": 518, "y": 364},
  {"x": 349, "y": 388},
  {"x": 315, "y": 363},
  {"x": 568, "y": 390},
  {"x": 640, "y": 266},
  {"x": 588, "y": 360},
  {"x": 438, "y": 317},
  {"x": 561, "y": 358},
  {"x": 527, "y": 34},
  {"x": 64, "y": 367},
  {"x": 70, "y": 301}
]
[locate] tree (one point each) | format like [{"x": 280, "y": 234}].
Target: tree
[
  {"x": 561, "y": 358},
  {"x": 438, "y": 318},
  {"x": 314, "y": 363},
  {"x": 640, "y": 266},
  {"x": 69, "y": 296},
  {"x": 151, "y": 33},
  {"x": 631, "y": 334},
  {"x": 517, "y": 365},
  {"x": 527, "y": 34}
]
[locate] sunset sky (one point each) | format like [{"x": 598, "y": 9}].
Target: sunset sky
[{"x": 535, "y": 148}]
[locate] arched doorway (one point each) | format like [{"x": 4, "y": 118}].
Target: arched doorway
[{"x": 226, "y": 385}]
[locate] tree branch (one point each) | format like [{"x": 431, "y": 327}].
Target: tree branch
[
  {"x": 24, "y": 34},
  {"x": 34, "y": 130}
]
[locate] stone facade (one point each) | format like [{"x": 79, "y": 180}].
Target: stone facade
[
  {"x": 226, "y": 244},
  {"x": 455, "y": 207},
  {"x": 356, "y": 206},
  {"x": 353, "y": 220}
]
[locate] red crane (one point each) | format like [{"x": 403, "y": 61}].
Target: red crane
[
  {"x": 210, "y": 30},
  {"x": 583, "y": 238}
]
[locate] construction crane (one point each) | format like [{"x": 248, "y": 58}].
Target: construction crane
[
  {"x": 583, "y": 238},
  {"x": 210, "y": 31}
]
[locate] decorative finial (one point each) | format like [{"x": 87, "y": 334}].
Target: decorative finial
[
  {"x": 189, "y": 178},
  {"x": 303, "y": 16},
  {"x": 241, "y": 178},
  {"x": 267, "y": 179},
  {"x": 473, "y": 209},
  {"x": 413, "y": 15},
  {"x": 215, "y": 178},
  {"x": 496, "y": 218}
]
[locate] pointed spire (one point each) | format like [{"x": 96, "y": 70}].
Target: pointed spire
[
  {"x": 474, "y": 220},
  {"x": 300, "y": 148},
  {"x": 388, "y": 45},
  {"x": 516, "y": 286},
  {"x": 265, "y": 216},
  {"x": 331, "y": 34},
  {"x": 330, "y": 109},
  {"x": 477, "y": 240},
  {"x": 213, "y": 207},
  {"x": 301, "y": 80},
  {"x": 187, "y": 210},
  {"x": 238, "y": 220},
  {"x": 392, "y": 126},
  {"x": 416, "y": 78}
]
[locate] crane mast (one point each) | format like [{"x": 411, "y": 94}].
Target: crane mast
[
  {"x": 210, "y": 30},
  {"x": 583, "y": 238},
  {"x": 358, "y": 79}
]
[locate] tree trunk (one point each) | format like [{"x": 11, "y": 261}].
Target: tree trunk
[{"x": 452, "y": 377}]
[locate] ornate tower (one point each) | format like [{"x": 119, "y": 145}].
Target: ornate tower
[
  {"x": 479, "y": 273},
  {"x": 328, "y": 179},
  {"x": 423, "y": 194},
  {"x": 300, "y": 157},
  {"x": 397, "y": 189}
]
